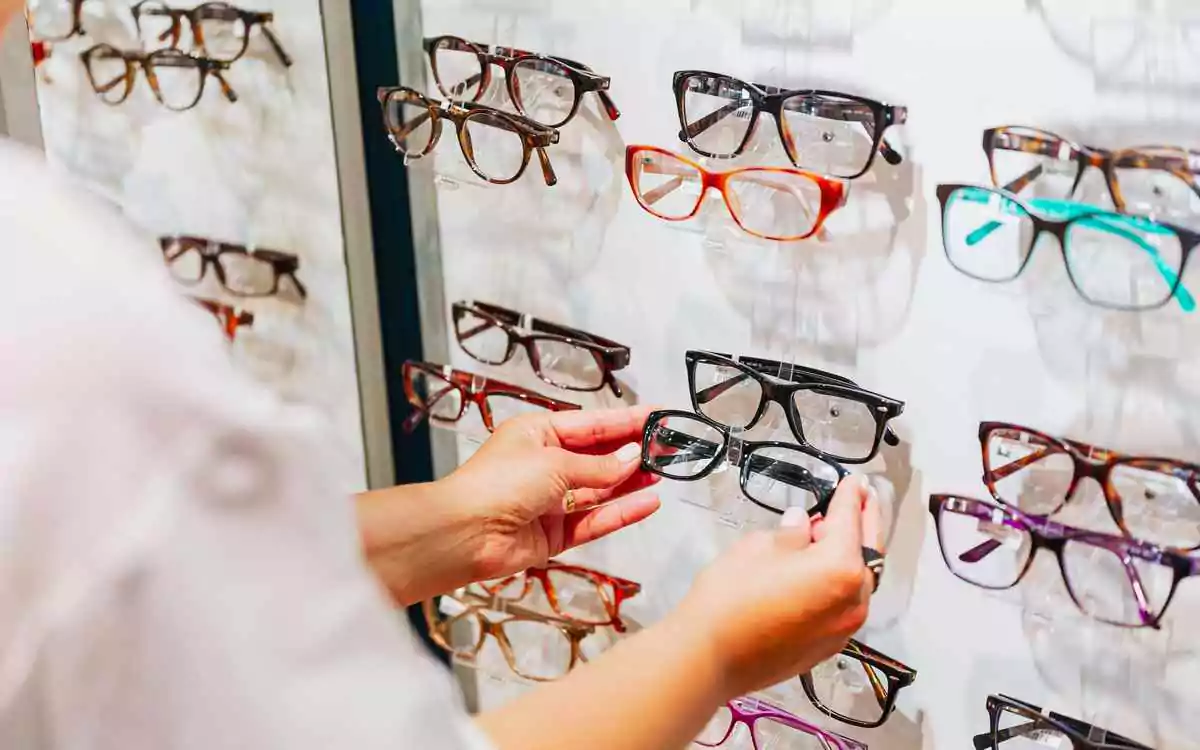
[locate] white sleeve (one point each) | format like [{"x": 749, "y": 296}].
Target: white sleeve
[{"x": 176, "y": 570}]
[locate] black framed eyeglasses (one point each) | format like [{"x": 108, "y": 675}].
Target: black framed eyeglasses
[
  {"x": 774, "y": 475},
  {"x": 562, "y": 356},
  {"x": 241, "y": 270},
  {"x": 858, "y": 686},
  {"x": 827, "y": 413},
  {"x": 1017, "y": 725},
  {"x": 547, "y": 89},
  {"x": 829, "y": 132}
]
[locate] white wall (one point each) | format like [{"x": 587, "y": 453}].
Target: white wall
[
  {"x": 258, "y": 171},
  {"x": 878, "y": 301}
]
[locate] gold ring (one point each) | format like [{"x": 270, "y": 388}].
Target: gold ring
[{"x": 569, "y": 501}]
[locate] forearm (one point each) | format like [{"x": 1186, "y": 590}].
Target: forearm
[
  {"x": 416, "y": 541},
  {"x": 654, "y": 691}
]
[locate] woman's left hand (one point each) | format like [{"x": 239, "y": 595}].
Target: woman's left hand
[{"x": 542, "y": 484}]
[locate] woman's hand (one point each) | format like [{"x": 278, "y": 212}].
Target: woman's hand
[
  {"x": 777, "y": 603},
  {"x": 504, "y": 510}
]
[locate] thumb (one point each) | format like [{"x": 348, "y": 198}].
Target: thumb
[
  {"x": 795, "y": 530},
  {"x": 580, "y": 470},
  {"x": 843, "y": 525}
]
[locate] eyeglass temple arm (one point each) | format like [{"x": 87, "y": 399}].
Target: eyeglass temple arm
[
  {"x": 548, "y": 174},
  {"x": 1182, "y": 296},
  {"x": 877, "y": 686},
  {"x": 984, "y": 741},
  {"x": 226, "y": 89},
  {"x": 276, "y": 45}
]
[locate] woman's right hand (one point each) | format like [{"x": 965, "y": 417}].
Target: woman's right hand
[{"x": 779, "y": 602}]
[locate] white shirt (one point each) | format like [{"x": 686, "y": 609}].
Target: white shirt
[{"x": 176, "y": 571}]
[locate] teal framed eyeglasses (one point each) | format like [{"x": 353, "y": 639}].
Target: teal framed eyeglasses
[{"x": 1116, "y": 261}]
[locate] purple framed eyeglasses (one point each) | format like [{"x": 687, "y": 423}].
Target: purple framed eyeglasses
[
  {"x": 769, "y": 725},
  {"x": 1113, "y": 579}
]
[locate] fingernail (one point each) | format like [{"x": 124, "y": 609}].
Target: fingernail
[
  {"x": 793, "y": 517},
  {"x": 628, "y": 452}
]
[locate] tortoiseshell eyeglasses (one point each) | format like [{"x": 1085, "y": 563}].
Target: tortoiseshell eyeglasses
[
  {"x": 562, "y": 356},
  {"x": 544, "y": 88},
  {"x": 536, "y": 647},
  {"x": 580, "y": 595},
  {"x": 497, "y": 145},
  {"x": 443, "y": 393},
  {"x": 176, "y": 78},
  {"x": 1148, "y": 180},
  {"x": 241, "y": 270},
  {"x": 219, "y": 31},
  {"x": 1153, "y": 499},
  {"x": 1013, "y": 719},
  {"x": 767, "y": 202},
  {"x": 859, "y": 686},
  {"x": 54, "y": 20},
  {"x": 229, "y": 317},
  {"x": 829, "y": 132},
  {"x": 1112, "y": 579}
]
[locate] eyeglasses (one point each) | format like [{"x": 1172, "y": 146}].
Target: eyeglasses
[
  {"x": 775, "y": 476},
  {"x": 243, "y": 271},
  {"x": 774, "y": 204},
  {"x": 858, "y": 686},
  {"x": 535, "y": 647},
  {"x": 54, "y": 20},
  {"x": 1113, "y": 579},
  {"x": 1113, "y": 260},
  {"x": 1141, "y": 180},
  {"x": 826, "y": 131},
  {"x": 176, "y": 78},
  {"x": 545, "y": 89},
  {"x": 769, "y": 727},
  {"x": 442, "y": 393},
  {"x": 579, "y": 595},
  {"x": 561, "y": 356},
  {"x": 1023, "y": 726},
  {"x": 496, "y": 145},
  {"x": 826, "y": 412},
  {"x": 230, "y": 318},
  {"x": 1153, "y": 499},
  {"x": 220, "y": 31}
]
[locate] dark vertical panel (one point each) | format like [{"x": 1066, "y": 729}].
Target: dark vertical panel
[{"x": 391, "y": 228}]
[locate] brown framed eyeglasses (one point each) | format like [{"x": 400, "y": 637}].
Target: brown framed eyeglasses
[
  {"x": 536, "y": 647},
  {"x": 562, "y": 356},
  {"x": 497, "y": 145},
  {"x": 442, "y": 394},
  {"x": 244, "y": 271},
  {"x": 176, "y": 78},
  {"x": 546, "y": 89},
  {"x": 768, "y": 202},
  {"x": 575, "y": 593},
  {"x": 1155, "y": 500},
  {"x": 219, "y": 31},
  {"x": 54, "y": 20},
  {"x": 1141, "y": 179},
  {"x": 230, "y": 318}
]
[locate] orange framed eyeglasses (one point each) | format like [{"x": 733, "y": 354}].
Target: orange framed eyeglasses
[
  {"x": 576, "y": 594},
  {"x": 772, "y": 203}
]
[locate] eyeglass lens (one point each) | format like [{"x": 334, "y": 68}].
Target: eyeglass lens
[
  {"x": 829, "y": 134},
  {"x": 1029, "y": 734},
  {"x": 717, "y": 114},
  {"x": 850, "y": 688},
  {"x": 683, "y": 447},
  {"x": 436, "y": 395}
]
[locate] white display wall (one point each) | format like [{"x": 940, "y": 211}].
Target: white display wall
[
  {"x": 875, "y": 300},
  {"x": 260, "y": 171}
]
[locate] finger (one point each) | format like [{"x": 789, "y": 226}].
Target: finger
[
  {"x": 582, "y": 528},
  {"x": 818, "y": 527},
  {"x": 795, "y": 529},
  {"x": 577, "y": 430},
  {"x": 873, "y": 525},
  {"x": 580, "y": 471},
  {"x": 843, "y": 526},
  {"x": 590, "y": 498}
]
